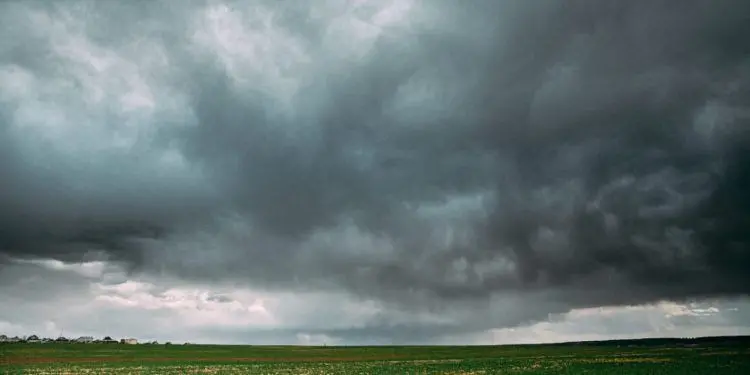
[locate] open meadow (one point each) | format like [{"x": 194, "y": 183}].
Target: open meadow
[{"x": 658, "y": 356}]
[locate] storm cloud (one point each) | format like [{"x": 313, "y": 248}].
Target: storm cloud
[{"x": 431, "y": 156}]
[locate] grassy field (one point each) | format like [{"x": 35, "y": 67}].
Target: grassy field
[{"x": 703, "y": 356}]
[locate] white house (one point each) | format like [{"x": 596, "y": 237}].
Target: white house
[
  {"x": 129, "y": 341},
  {"x": 85, "y": 340}
]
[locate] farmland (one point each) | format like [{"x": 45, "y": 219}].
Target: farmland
[{"x": 702, "y": 356}]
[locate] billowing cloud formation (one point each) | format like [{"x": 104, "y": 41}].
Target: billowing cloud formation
[{"x": 523, "y": 157}]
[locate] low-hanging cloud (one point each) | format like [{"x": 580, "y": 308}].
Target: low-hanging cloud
[{"x": 416, "y": 153}]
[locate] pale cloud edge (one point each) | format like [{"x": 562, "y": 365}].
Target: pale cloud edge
[{"x": 99, "y": 299}]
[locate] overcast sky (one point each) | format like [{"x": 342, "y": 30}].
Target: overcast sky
[{"x": 354, "y": 171}]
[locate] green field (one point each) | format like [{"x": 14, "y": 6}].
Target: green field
[{"x": 705, "y": 356}]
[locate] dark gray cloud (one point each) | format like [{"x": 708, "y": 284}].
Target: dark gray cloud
[{"x": 586, "y": 152}]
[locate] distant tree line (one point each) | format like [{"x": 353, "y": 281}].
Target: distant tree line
[
  {"x": 667, "y": 342},
  {"x": 34, "y": 339}
]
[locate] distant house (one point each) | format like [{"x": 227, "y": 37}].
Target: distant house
[
  {"x": 33, "y": 339},
  {"x": 129, "y": 341},
  {"x": 109, "y": 340},
  {"x": 61, "y": 339},
  {"x": 85, "y": 340}
]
